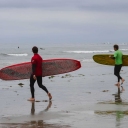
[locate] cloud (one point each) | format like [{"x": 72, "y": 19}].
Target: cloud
[
  {"x": 95, "y": 5},
  {"x": 66, "y": 21}
]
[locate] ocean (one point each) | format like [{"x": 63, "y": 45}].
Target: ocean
[{"x": 16, "y": 53}]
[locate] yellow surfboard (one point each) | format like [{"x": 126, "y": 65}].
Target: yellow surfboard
[{"x": 106, "y": 60}]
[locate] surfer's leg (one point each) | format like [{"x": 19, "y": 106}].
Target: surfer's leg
[
  {"x": 115, "y": 70},
  {"x": 32, "y": 81},
  {"x": 119, "y": 68},
  {"x": 39, "y": 81},
  {"x": 120, "y": 76},
  {"x": 116, "y": 73}
]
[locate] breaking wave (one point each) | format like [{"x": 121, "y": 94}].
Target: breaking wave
[
  {"x": 88, "y": 51},
  {"x": 95, "y": 51},
  {"x": 12, "y": 54},
  {"x": 25, "y": 54}
]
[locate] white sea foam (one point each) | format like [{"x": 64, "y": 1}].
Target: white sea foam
[
  {"x": 24, "y": 54},
  {"x": 124, "y": 49},
  {"x": 88, "y": 51},
  {"x": 95, "y": 51}
]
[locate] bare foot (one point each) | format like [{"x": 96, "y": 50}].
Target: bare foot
[
  {"x": 118, "y": 85},
  {"x": 50, "y": 96},
  {"x": 122, "y": 89},
  {"x": 31, "y": 99},
  {"x": 122, "y": 81}
]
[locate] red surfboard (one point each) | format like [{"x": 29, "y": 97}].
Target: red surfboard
[{"x": 49, "y": 67}]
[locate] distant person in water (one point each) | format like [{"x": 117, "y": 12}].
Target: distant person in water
[
  {"x": 36, "y": 62},
  {"x": 118, "y": 64}
]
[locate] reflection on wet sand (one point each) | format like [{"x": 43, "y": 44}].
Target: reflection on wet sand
[
  {"x": 36, "y": 123},
  {"x": 118, "y": 101},
  {"x": 33, "y": 108},
  {"x": 33, "y": 124},
  {"x": 117, "y": 97},
  {"x": 119, "y": 113}
]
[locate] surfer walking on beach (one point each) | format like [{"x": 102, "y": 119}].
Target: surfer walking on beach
[
  {"x": 118, "y": 64},
  {"x": 36, "y": 62}
]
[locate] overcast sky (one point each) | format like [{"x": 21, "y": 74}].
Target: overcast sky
[{"x": 64, "y": 21}]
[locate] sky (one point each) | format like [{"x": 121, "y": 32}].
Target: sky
[{"x": 64, "y": 21}]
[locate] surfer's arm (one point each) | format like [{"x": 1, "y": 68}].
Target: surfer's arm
[
  {"x": 33, "y": 62},
  {"x": 33, "y": 69},
  {"x": 112, "y": 57}
]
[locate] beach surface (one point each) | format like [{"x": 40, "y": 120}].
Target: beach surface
[{"x": 83, "y": 98}]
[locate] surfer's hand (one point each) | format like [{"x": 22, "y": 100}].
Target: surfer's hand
[{"x": 34, "y": 77}]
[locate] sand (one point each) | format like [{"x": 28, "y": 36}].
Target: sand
[{"x": 83, "y": 98}]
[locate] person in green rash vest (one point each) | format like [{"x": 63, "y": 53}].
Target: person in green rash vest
[{"x": 118, "y": 64}]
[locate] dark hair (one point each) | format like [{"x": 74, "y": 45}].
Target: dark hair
[
  {"x": 35, "y": 49},
  {"x": 116, "y": 46}
]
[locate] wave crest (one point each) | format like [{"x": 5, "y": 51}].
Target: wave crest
[
  {"x": 24, "y": 54},
  {"x": 95, "y": 51},
  {"x": 12, "y": 54},
  {"x": 88, "y": 51}
]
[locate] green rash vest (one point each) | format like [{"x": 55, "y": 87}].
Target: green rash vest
[{"x": 118, "y": 57}]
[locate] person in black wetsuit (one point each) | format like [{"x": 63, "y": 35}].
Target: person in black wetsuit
[{"x": 36, "y": 61}]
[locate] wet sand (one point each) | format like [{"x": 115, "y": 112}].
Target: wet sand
[
  {"x": 84, "y": 98},
  {"x": 32, "y": 124}
]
